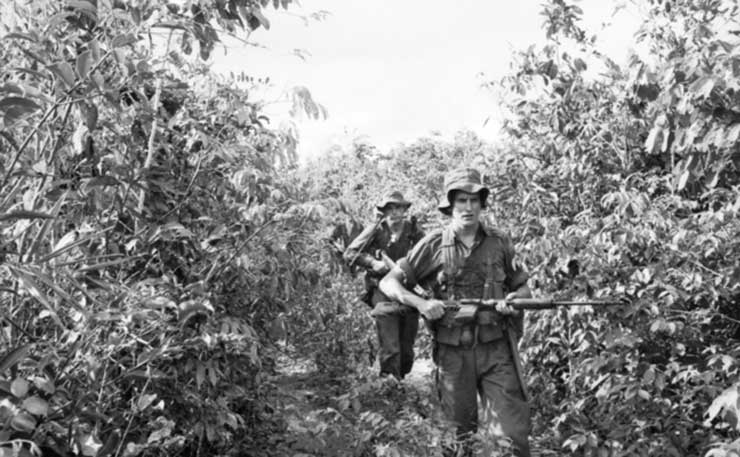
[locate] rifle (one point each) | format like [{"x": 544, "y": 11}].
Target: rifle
[
  {"x": 468, "y": 307},
  {"x": 367, "y": 242}
]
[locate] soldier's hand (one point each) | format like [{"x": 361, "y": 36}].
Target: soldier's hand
[
  {"x": 505, "y": 309},
  {"x": 379, "y": 267},
  {"x": 432, "y": 309}
]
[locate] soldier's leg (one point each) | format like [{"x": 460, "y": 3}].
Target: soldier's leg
[
  {"x": 505, "y": 413},
  {"x": 389, "y": 344},
  {"x": 409, "y": 328},
  {"x": 456, "y": 386}
]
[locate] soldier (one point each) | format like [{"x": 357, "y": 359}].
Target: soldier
[
  {"x": 394, "y": 235},
  {"x": 467, "y": 260}
]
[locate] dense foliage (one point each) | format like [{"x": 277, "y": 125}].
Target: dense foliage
[
  {"x": 159, "y": 249},
  {"x": 134, "y": 182}
]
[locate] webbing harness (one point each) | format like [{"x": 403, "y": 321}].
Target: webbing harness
[{"x": 451, "y": 264}]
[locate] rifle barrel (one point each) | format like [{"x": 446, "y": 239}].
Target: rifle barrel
[
  {"x": 518, "y": 303},
  {"x": 535, "y": 303}
]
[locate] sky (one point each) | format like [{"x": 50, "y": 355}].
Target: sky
[{"x": 391, "y": 75}]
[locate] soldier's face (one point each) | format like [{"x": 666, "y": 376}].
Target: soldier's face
[
  {"x": 394, "y": 213},
  {"x": 466, "y": 208}
]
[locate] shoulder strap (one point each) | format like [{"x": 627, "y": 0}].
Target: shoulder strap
[
  {"x": 449, "y": 263},
  {"x": 492, "y": 289},
  {"x": 488, "y": 290},
  {"x": 448, "y": 252}
]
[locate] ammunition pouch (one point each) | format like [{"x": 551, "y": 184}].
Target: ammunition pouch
[{"x": 486, "y": 326}]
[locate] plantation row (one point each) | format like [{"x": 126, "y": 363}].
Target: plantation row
[{"x": 158, "y": 242}]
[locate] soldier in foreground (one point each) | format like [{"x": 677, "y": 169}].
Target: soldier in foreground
[
  {"x": 467, "y": 260},
  {"x": 393, "y": 236}
]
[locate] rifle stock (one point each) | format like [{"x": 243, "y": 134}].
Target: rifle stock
[{"x": 367, "y": 242}]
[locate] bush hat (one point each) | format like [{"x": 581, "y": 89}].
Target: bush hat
[
  {"x": 395, "y": 198},
  {"x": 464, "y": 179}
]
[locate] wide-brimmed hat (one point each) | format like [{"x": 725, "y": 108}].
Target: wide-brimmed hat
[
  {"x": 464, "y": 179},
  {"x": 395, "y": 197}
]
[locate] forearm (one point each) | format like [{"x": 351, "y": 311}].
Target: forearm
[
  {"x": 391, "y": 285},
  {"x": 362, "y": 259},
  {"x": 358, "y": 251}
]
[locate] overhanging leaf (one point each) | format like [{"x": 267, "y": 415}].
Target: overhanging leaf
[
  {"x": 654, "y": 139},
  {"x": 733, "y": 134},
  {"x": 19, "y": 387},
  {"x": 23, "y": 214},
  {"x": 31, "y": 251},
  {"x": 66, "y": 240},
  {"x": 46, "y": 280},
  {"x": 84, "y": 6},
  {"x": 15, "y": 108},
  {"x": 20, "y": 36},
  {"x": 36, "y": 406},
  {"x": 79, "y": 138},
  {"x": 23, "y": 423},
  {"x": 683, "y": 179},
  {"x": 102, "y": 181},
  {"x": 727, "y": 402},
  {"x": 101, "y": 265},
  {"x": 90, "y": 112},
  {"x": 94, "y": 48},
  {"x": 256, "y": 12},
  {"x": 144, "y": 401},
  {"x": 171, "y": 231},
  {"x": 702, "y": 87},
  {"x": 30, "y": 286},
  {"x": 84, "y": 64},
  {"x": 9, "y": 138},
  {"x": 62, "y": 249},
  {"x": 89, "y": 444},
  {"x": 123, "y": 40},
  {"x": 64, "y": 72},
  {"x": 20, "y": 102},
  {"x": 12, "y": 357}
]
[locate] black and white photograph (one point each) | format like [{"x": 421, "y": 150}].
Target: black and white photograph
[{"x": 336, "y": 228}]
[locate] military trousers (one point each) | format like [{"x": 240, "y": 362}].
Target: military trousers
[{"x": 485, "y": 370}]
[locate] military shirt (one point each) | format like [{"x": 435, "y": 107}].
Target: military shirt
[
  {"x": 492, "y": 253},
  {"x": 382, "y": 238}
]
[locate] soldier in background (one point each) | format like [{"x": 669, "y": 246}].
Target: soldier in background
[{"x": 394, "y": 235}]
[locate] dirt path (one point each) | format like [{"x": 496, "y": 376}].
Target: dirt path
[
  {"x": 352, "y": 416},
  {"x": 321, "y": 414}
]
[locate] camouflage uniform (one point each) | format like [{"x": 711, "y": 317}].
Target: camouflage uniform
[{"x": 396, "y": 332}]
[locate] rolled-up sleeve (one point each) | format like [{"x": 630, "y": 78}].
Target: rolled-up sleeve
[
  {"x": 421, "y": 261},
  {"x": 364, "y": 259}
]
